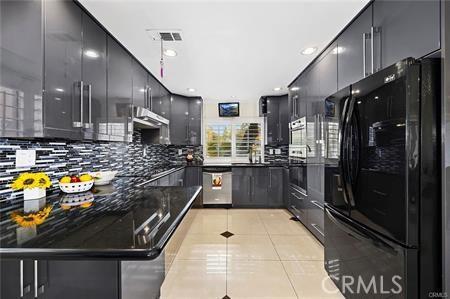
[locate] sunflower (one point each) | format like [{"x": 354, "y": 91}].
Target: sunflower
[
  {"x": 29, "y": 180},
  {"x": 31, "y": 219}
]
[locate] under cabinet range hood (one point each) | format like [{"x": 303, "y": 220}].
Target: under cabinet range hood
[
  {"x": 155, "y": 128},
  {"x": 146, "y": 119}
]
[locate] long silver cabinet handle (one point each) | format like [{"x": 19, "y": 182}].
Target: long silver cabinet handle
[
  {"x": 317, "y": 229},
  {"x": 372, "y": 48},
  {"x": 317, "y": 204},
  {"x": 21, "y": 278},
  {"x": 90, "y": 104},
  {"x": 35, "y": 279},
  {"x": 79, "y": 124},
  {"x": 293, "y": 194}
]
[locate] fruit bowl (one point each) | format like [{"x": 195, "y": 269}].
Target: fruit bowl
[
  {"x": 103, "y": 177},
  {"x": 76, "y": 187}
]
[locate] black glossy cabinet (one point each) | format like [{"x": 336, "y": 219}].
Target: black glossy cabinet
[
  {"x": 94, "y": 60},
  {"x": 275, "y": 188},
  {"x": 405, "y": 29},
  {"x": 63, "y": 89},
  {"x": 276, "y": 119},
  {"x": 142, "y": 91},
  {"x": 258, "y": 187},
  {"x": 354, "y": 50},
  {"x": 185, "y": 120},
  {"x": 193, "y": 176},
  {"x": 120, "y": 125},
  {"x": 21, "y": 66}
]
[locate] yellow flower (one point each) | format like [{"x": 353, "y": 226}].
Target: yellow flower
[
  {"x": 31, "y": 219},
  {"x": 31, "y": 180}
]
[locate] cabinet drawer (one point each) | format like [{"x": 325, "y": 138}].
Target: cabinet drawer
[
  {"x": 298, "y": 204},
  {"x": 315, "y": 219}
]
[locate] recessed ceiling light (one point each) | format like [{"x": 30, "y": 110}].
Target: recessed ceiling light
[
  {"x": 190, "y": 89},
  {"x": 170, "y": 52},
  {"x": 295, "y": 88},
  {"x": 91, "y": 53},
  {"x": 309, "y": 51},
  {"x": 277, "y": 89}
]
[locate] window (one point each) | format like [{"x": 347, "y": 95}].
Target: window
[
  {"x": 218, "y": 141},
  {"x": 232, "y": 141}
]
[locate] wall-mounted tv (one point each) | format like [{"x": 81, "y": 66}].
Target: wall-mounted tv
[{"x": 229, "y": 109}]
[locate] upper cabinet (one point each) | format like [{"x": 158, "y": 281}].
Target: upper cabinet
[
  {"x": 142, "y": 92},
  {"x": 276, "y": 112},
  {"x": 353, "y": 50},
  {"x": 21, "y": 106},
  {"x": 404, "y": 29},
  {"x": 120, "y": 126},
  {"x": 94, "y": 60},
  {"x": 185, "y": 120},
  {"x": 161, "y": 102},
  {"x": 384, "y": 33},
  {"x": 64, "y": 89}
]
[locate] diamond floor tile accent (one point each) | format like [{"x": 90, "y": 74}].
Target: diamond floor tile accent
[
  {"x": 226, "y": 297},
  {"x": 294, "y": 219},
  {"x": 227, "y": 234}
]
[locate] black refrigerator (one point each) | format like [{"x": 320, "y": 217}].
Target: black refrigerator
[{"x": 382, "y": 189}]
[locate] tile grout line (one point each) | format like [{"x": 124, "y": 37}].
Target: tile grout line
[{"x": 273, "y": 244}]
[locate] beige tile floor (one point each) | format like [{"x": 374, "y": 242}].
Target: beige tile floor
[{"x": 269, "y": 256}]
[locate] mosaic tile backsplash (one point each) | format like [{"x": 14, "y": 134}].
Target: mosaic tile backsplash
[{"x": 60, "y": 158}]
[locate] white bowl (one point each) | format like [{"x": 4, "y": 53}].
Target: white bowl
[
  {"x": 76, "y": 187},
  {"x": 103, "y": 177}
]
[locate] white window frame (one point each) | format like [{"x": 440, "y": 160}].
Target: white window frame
[{"x": 232, "y": 122}]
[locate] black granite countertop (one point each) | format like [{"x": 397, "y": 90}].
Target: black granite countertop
[{"x": 119, "y": 221}]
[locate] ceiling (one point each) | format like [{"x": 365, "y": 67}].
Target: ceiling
[{"x": 231, "y": 50}]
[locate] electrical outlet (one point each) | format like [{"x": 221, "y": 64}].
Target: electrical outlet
[
  {"x": 271, "y": 151},
  {"x": 278, "y": 151},
  {"x": 180, "y": 152},
  {"x": 25, "y": 158}
]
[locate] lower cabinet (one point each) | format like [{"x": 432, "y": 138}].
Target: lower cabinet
[
  {"x": 308, "y": 211},
  {"x": 175, "y": 178},
  {"x": 258, "y": 187},
  {"x": 193, "y": 176},
  {"x": 59, "y": 279}
]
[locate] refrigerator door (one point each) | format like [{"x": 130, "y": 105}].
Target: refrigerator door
[
  {"x": 363, "y": 264},
  {"x": 336, "y": 107},
  {"x": 380, "y": 151}
]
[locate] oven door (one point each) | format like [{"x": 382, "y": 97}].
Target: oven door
[{"x": 298, "y": 176}]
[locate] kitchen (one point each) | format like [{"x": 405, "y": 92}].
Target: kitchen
[{"x": 143, "y": 155}]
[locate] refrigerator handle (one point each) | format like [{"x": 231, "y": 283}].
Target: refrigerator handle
[
  {"x": 342, "y": 150},
  {"x": 348, "y": 183}
]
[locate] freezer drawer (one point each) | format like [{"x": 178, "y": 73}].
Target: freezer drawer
[{"x": 353, "y": 253}]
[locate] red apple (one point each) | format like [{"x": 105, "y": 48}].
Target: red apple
[{"x": 74, "y": 179}]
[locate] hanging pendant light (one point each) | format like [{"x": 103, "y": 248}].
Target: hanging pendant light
[{"x": 161, "y": 62}]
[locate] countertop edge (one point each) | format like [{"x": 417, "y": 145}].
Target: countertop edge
[{"x": 94, "y": 254}]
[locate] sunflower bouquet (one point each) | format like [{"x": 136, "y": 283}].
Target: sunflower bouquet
[{"x": 32, "y": 184}]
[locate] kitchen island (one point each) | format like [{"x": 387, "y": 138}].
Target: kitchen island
[{"x": 115, "y": 241}]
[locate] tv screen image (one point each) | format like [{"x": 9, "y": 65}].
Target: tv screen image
[{"x": 228, "y": 109}]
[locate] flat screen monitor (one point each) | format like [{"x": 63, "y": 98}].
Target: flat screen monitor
[{"x": 229, "y": 109}]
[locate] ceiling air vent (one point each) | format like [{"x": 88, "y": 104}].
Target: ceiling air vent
[{"x": 168, "y": 35}]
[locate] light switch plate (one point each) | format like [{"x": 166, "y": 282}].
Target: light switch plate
[
  {"x": 180, "y": 152},
  {"x": 25, "y": 158},
  {"x": 277, "y": 151},
  {"x": 271, "y": 151}
]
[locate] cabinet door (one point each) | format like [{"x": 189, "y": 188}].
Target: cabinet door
[
  {"x": 294, "y": 91},
  {"x": 140, "y": 86},
  {"x": 302, "y": 96},
  {"x": 94, "y": 77},
  {"x": 179, "y": 113},
  {"x": 63, "y": 90},
  {"x": 407, "y": 29},
  {"x": 260, "y": 181},
  {"x": 272, "y": 119},
  {"x": 21, "y": 69},
  {"x": 120, "y": 125},
  {"x": 81, "y": 279},
  {"x": 195, "y": 121},
  {"x": 241, "y": 190},
  {"x": 283, "y": 121},
  {"x": 350, "y": 48},
  {"x": 275, "y": 187}
]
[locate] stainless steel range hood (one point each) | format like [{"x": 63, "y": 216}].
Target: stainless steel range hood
[{"x": 146, "y": 119}]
